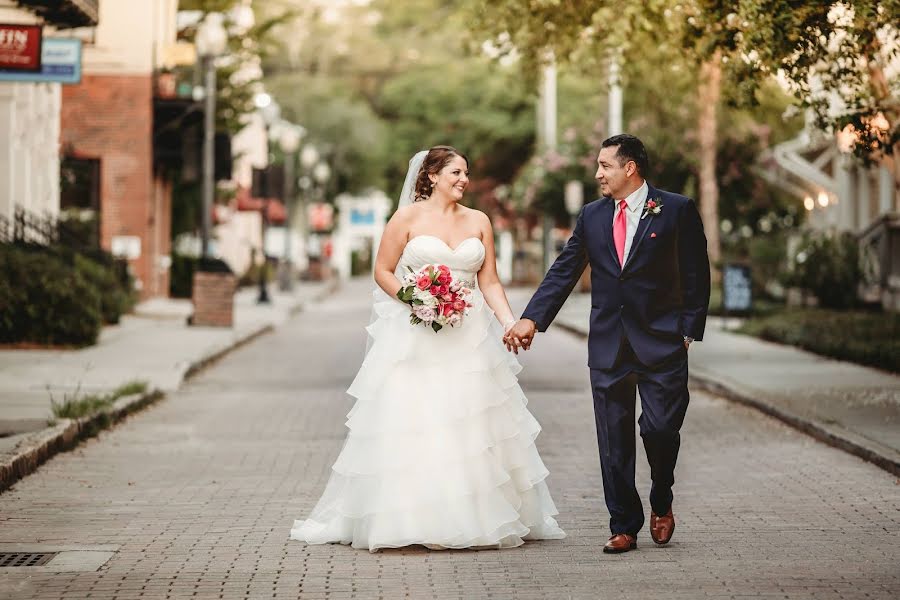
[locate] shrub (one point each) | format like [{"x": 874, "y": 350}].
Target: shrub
[
  {"x": 829, "y": 267},
  {"x": 115, "y": 299},
  {"x": 868, "y": 338},
  {"x": 44, "y": 300}
]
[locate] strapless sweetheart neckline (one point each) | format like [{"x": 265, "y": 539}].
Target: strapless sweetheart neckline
[{"x": 451, "y": 249}]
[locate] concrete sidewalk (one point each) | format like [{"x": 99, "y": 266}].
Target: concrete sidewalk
[
  {"x": 848, "y": 406},
  {"x": 154, "y": 345}
]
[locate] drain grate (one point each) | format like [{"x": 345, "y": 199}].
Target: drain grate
[{"x": 25, "y": 559}]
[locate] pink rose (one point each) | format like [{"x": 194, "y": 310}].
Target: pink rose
[
  {"x": 445, "y": 289},
  {"x": 444, "y": 269},
  {"x": 459, "y": 305},
  {"x": 435, "y": 290},
  {"x": 446, "y": 310},
  {"x": 444, "y": 278},
  {"x": 423, "y": 282},
  {"x": 651, "y": 204}
]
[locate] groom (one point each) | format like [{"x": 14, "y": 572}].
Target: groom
[{"x": 649, "y": 297}]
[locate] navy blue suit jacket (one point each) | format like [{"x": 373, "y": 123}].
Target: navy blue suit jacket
[{"x": 658, "y": 297}]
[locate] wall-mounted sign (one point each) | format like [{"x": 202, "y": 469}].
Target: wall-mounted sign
[
  {"x": 60, "y": 63},
  {"x": 126, "y": 246},
  {"x": 362, "y": 216},
  {"x": 20, "y": 47}
]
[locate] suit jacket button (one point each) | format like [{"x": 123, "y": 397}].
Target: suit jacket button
[{"x": 622, "y": 307}]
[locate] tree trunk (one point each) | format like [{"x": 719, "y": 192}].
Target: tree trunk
[{"x": 707, "y": 133}]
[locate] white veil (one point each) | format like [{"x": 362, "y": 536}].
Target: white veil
[
  {"x": 408, "y": 193},
  {"x": 407, "y": 197}
]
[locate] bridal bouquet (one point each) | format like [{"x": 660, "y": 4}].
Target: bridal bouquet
[{"x": 437, "y": 300}]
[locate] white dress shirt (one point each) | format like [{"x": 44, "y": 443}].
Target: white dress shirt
[{"x": 635, "y": 202}]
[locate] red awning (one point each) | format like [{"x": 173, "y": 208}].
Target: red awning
[{"x": 275, "y": 210}]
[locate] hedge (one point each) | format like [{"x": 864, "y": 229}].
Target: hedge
[
  {"x": 52, "y": 295},
  {"x": 866, "y": 338}
]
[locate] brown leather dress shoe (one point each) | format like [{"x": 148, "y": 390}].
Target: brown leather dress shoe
[
  {"x": 662, "y": 528},
  {"x": 621, "y": 542}
]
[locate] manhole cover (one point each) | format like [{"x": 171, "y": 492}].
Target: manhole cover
[{"x": 25, "y": 559}]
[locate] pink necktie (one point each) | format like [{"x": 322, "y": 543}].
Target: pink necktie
[{"x": 620, "y": 231}]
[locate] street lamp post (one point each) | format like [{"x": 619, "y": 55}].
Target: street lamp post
[
  {"x": 289, "y": 140},
  {"x": 211, "y": 42},
  {"x": 271, "y": 114}
]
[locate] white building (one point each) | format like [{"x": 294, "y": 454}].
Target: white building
[{"x": 30, "y": 115}]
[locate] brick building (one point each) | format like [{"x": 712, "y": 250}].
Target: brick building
[{"x": 107, "y": 136}]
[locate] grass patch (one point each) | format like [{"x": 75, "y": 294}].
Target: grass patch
[
  {"x": 77, "y": 405},
  {"x": 863, "y": 337}
]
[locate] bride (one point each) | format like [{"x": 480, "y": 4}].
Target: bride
[{"x": 441, "y": 449}]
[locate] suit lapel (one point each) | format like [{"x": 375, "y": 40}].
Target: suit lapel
[{"x": 643, "y": 226}]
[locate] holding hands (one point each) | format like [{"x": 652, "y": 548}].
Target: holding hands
[{"x": 519, "y": 334}]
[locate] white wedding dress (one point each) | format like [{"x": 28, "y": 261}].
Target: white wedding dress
[{"x": 441, "y": 446}]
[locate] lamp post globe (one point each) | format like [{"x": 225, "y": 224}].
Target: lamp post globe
[
  {"x": 212, "y": 38},
  {"x": 289, "y": 138},
  {"x": 262, "y": 100},
  {"x": 321, "y": 173},
  {"x": 309, "y": 156}
]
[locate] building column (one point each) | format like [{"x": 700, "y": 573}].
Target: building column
[
  {"x": 863, "y": 198},
  {"x": 7, "y": 125},
  {"x": 21, "y": 152},
  {"x": 846, "y": 208},
  {"x": 886, "y": 191}
]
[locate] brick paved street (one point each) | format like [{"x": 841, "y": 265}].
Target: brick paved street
[{"x": 198, "y": 494}]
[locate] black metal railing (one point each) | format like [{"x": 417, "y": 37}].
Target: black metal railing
[{"x": 27, "y": 227}]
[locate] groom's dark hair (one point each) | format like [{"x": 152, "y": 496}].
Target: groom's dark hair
[{"x": 630, "y": 148}]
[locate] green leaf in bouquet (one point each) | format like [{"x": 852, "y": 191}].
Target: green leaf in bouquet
[{"x": 436, "y": 326}]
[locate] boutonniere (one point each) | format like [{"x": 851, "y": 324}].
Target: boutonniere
[{"x": 652, "y": 207}]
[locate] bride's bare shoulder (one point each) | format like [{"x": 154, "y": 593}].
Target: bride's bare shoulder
[
  {"x": 476, "y": 217},
  {"x": 405, "y": 214}
]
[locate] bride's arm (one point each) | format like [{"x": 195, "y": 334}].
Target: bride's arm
[
  {"x": 393, "y": 240},
  {"x": 489, "y": 281}
]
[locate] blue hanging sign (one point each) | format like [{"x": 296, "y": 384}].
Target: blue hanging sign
[{"x": 60, "y": 63}]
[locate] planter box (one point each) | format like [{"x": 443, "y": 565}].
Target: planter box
[{"x": 213, "y": 297}]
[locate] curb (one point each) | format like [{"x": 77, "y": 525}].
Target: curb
[
  {"x": 833, "y": 436},
  {"x": 38, "y": 447},
  {"x": 205, "y": 361}
]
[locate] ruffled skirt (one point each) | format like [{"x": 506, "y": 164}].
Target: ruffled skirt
[{"x": 441, "y": 448}]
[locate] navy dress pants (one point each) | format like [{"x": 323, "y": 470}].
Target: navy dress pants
[{"x": 664, "y": 401}]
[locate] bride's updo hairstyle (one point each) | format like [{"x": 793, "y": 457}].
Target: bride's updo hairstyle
[{"x": 437, "y": 158}]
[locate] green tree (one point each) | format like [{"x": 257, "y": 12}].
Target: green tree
[
  {"x": 236, "y": 84},
  {"x": 386, "y": 79},
  {"x": 833, "y": 54}
]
